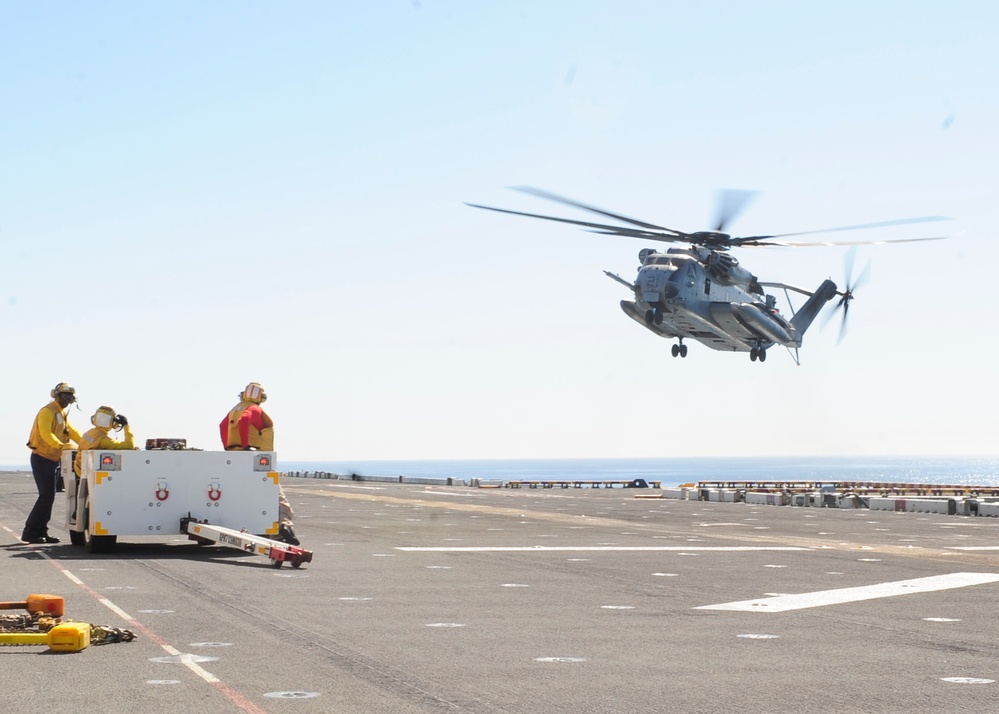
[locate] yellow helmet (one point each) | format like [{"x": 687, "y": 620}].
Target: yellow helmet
[
  {"x": 63, "y": 388},
  {"x": 254, "y": 393},
  {"x": 103, "y": 417}
]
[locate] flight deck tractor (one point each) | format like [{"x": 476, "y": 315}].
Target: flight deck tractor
[{"x": 224, "y": 497}]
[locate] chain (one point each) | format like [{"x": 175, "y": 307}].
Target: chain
[
  {"x": 103, "y": 635},
  {"x": 18, "y": 623},
  {"x": 33, "y": 622}
]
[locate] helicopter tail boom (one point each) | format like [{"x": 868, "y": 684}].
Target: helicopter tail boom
[{"x": 803, "y": 318}]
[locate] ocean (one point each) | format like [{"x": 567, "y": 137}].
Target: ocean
[{"x": 962, "y": 471}]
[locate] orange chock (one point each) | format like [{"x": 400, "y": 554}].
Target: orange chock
[{"x": 47, "y": 604}]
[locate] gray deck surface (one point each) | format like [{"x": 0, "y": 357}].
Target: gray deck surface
[{"x": 368, "y": 627}]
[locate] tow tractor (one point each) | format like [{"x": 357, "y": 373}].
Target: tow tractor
[{"x": 224, "y": 497}]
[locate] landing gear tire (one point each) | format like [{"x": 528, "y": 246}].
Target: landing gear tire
[
  {"x": 657, "y": 316},
  {"x": 763, "y": 355},
  {"x": 95, "y": 543},
  {"x": 753, "y": 354},
  {"x": 683, "y": 350},
  {"x": 649, "y": 317},
  {"x": 675, "y": 350},
  {"x": 78, "y": 537}
]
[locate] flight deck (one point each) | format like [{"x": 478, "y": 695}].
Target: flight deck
[{"x": 436, "y": 598}]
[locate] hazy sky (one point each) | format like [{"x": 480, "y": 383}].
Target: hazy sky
[{"x": 196, "y": 195}]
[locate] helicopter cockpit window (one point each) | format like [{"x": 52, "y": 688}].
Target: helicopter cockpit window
[{"x": 659, "y": 260}]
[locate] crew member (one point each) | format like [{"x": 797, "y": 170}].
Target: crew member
[
  {"x": 104, "y": 419},
  {"x": 51, "y": 434},
  {"x": 247, "y": 426}
]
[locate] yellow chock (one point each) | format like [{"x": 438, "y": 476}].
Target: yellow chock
[{"x": 66, "y": 637}]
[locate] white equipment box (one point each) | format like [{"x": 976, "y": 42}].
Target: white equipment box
[{"x": 133, "y": 493}]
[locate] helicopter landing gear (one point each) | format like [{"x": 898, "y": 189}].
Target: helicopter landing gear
[
  {"x": 679, "y": 350},
  {"x": 653, "y": 317},
  {"x": 758, "y": 353}
]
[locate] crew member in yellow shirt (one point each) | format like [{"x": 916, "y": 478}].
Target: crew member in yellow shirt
[
  {"x": 51, "y": 434},
  {"x": 104, "y": 419}
]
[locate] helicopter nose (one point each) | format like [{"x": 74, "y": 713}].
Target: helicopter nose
[{"x": 656, "y": 286}]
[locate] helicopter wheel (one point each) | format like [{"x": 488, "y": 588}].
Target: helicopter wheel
[
  {"x": 675, "y": 350},
  {"x": 753, "y": 354},
  {"x": 657, "y": 316},
  {"x": 649, "y": 317},
  {"x": 683, "y": 350},
  {"x": 763, "y": 355}
]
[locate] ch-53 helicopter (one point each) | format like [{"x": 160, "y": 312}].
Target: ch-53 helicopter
[{"x": 701, "y": 292}]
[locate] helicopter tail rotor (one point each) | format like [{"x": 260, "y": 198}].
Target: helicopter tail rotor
[{"x": 847, "y": 295}]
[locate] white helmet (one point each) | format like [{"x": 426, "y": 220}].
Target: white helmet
[
  {"x": 254, "y": 393},
  {"x": 103, "y": 417}
]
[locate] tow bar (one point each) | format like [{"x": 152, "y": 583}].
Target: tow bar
[{"x": 278, "y": 551}]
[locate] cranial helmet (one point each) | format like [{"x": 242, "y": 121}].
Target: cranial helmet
[
  {"x": 103, "y": 417},
  {"x": 254, "y": 393},
  {"x": 63, "y": 388}
]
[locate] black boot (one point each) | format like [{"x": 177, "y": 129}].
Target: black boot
[{"x": 286, "y": 534}]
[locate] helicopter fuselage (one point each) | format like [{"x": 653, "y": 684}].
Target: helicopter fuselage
[{"x": 707, "y": 296}]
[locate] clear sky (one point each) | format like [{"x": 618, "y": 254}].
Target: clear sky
[{"x": 196, "y": 195}]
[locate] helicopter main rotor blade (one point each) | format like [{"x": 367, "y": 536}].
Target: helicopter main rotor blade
[
  {"x": 731, "y": 203},
  {"x": 829, "y": 243},
  {"x": 860, "y": 226},
  {"x": 540, "y": 193},
  {"x": 669, "y": 237}
]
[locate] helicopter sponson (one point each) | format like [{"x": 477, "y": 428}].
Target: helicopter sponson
[{"x": 758, "y": 320}]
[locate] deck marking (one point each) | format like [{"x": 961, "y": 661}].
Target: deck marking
[
  {"x": 231, "y": 694},
  {"x": 533, "y": 548},
  {"x": 972, "y": 547},
  {"x": 783, "y": 603}
]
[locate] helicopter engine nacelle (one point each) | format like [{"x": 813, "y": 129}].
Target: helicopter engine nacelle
[{"x": 726, "y": 269}]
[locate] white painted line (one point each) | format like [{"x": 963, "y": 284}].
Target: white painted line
[
  {"x": 783, "y": 603},
  {"x": 972, "y": 547},
  {"x": 115, "y": 609},
  {"x": 532, "y": 548},
  {"x": 451, "y": 493}
]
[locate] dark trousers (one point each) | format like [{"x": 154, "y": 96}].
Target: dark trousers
[{"x": 46, "y": 474}]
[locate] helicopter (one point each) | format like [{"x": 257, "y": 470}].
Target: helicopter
[{"x": 699, "y": 291}]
